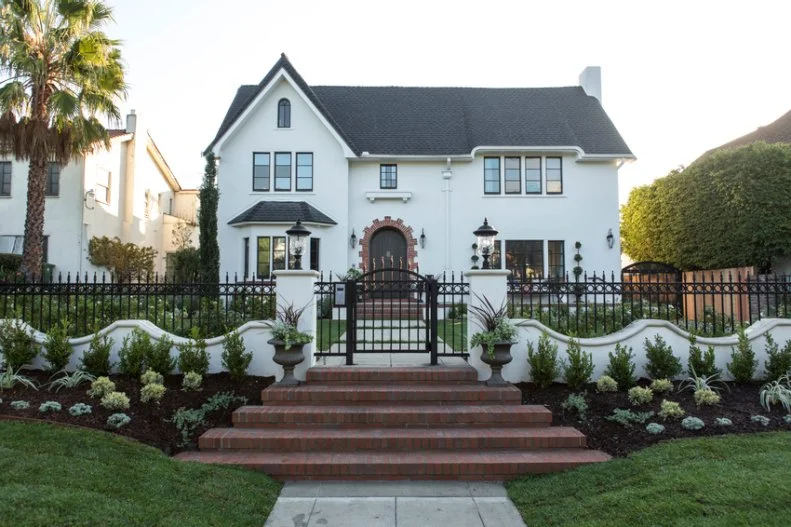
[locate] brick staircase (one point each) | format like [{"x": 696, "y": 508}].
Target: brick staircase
[{"x": 394, "y": 423}]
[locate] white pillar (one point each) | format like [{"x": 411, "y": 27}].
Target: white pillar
[
  {"x": 491, "y": 284},
  {"x": 296, "y": 287}
]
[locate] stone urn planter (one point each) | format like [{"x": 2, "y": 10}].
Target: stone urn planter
[
  {"x": 288, "y": 359},
  {"x": 496, "y": 360}
]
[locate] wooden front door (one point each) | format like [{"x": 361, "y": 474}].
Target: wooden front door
[{"x": 388, "y": 250}]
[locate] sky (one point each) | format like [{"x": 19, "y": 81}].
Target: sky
[{"x": 678, "y": 77}]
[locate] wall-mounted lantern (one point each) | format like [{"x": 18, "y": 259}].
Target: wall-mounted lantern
[
  {"x": 422, "y": 239},
  {"x": 610, "y": 239},
  {"x": 353, "y": 240}
]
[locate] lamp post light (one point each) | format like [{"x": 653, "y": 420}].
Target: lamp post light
[
  {"x": 485, "y": 234},
  {"x": 297, "y": 237}
]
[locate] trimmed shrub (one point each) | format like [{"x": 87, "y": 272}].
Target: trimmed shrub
[
  {"x": 761, "y": 420},
  {"x": 743, "y": 361},
  {"x": 151, "y": 377},
  {"x": 700, "y": 363},
  {"x": 96, "y": 359},
  {"x": 654, "y": 428},
  {"x": 661, "y": 385},
  {"x": 234, "y": 357},
  {"x": 57, "y": 350},
  {"x": 628, "y": 417},
  {"x": 134, "y": 350},
  {"x": 118, "y": 421},
  {"x": 159, "y": 358},
  {"x": 101, "y": 387},
  {"x": 670, "y": 410},
  {"x": 692, "y": 423},
  {"x": 606, "y": 384},
  {"x": 192, "y": 381},
  {"x": 17, "y": 344},
  {"x": 639, "y": 395},
  {"x": 115, "y": 401},
  {"x": 662, "y": 364},
  {"x": 779, "y": 362},
  {"x": 20, "y": 405},
  {"x": 193, "y": 356},
  {"x": 706, "y": 397},
  {"x": 152, "y": 392},
  {"x": 543, "y": 363},
  {"x": 621, "y": 367},
  {"x": 723, "y": 421},
  {"x": 577, "y": 403},
  {"x": 80, "y": 409},
  {"x": 49, "y": 406},
  {"x": 578, "y": 370}
]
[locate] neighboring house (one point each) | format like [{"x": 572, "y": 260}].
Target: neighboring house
[
  {"x": 776, "y": 132},
  {"x": 402, "y": 176},
  {"x": 127, "y": 192}
]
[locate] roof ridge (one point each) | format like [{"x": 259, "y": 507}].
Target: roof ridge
[{"x": 494, "y": 88}]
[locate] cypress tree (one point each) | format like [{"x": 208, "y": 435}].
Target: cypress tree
[{"x": 209, "y": 249}]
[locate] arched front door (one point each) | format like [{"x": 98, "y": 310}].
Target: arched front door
[{"x": 388, "y": 250}]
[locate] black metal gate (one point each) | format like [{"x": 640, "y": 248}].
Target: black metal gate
[{"x": 391, "y": 311}]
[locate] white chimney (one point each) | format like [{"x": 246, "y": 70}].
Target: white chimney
[
  {"x": 590, "y": 80},
  {"x": 131, "y": 122}
]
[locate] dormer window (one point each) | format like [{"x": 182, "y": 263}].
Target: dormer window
[{"x": 284, "y": 114}]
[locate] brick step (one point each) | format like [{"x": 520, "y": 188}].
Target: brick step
[
  {"x": 481, "y": 465},
  {"x": 391, "y": 440},
  {"x": 451, "y": 416},
  {"x": 393, "y": 394},
  {"x": 422, "y": 375}
]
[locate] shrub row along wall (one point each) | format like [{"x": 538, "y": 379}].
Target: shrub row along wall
[
  {"x": 254, "y": 334},
  {"x": 634, "y": 336}
]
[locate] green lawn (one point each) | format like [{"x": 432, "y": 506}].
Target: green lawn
[
  {"x": 731, "y": 480},
  {"x": 454, "y": 333},
  {"x": 329, "y": 332},
  {"x": 60, "y": 476}
]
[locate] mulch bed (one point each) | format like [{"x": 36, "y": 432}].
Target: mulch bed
[
  {"x": 739, "y": 405},
  {"x": 149, "y": 421}
]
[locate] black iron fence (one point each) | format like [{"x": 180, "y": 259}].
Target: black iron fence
[
  {"x": 90, "y": 303},
  {"x": 597, "y": 305}
]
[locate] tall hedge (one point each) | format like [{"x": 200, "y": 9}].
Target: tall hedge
[
  {"x": 209, "y": 249},
  {"x": 730, "y": 208}
]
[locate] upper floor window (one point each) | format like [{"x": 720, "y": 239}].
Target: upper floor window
[
  {"x": 261, "y": 164},
  {"x": 388, "y": 176},
  {"x": 282, "y": 170},
  {"x": 103, "y": 179},
  {"x": 533, "y": 175},
  {"x": 304, "y": 171},
  {"x": 5, "y": 178},
  {"x": 554, "y": 175},
  {"x": 53, "y": 180},
  {"x": 491, "y": 175},
  {"x": 284, "y": 114},
  {"x": 513, "y": 175}
]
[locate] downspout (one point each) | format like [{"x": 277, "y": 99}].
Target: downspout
[
  {"x": 127, "y": 201},
  {"x": 447, "y": 175}
]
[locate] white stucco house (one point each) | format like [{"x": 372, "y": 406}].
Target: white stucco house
[
  {"x": 402, "y": 176},
  {"x": 128, "y": 191}
]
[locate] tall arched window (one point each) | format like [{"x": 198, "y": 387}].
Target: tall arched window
[{"x": 284, "y": 114}]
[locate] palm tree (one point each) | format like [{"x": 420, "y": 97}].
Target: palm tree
[{"x": 59, "y": 72}]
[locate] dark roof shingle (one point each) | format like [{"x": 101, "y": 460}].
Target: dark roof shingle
[
  {"x": 282, "y": 212},
  {"x": 777, "y": 132},
  {"x": 451, "y": 121}
]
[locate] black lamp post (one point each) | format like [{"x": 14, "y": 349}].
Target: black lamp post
[
  {"x": 297, "y": 236},
  {"x": 485, "y": 234}
]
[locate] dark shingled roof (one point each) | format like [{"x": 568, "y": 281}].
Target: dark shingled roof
[
  {"x": 451, "y": 121},
  {"x": 777, "y": 132},
  {"x": 280, "y": 212}
]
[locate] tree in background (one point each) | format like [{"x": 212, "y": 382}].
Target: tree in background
[
  {"x": 729, "y": 208},
  {"x": 208, "y": 248},
  {"x": 126, "y": 261},
  {"x": 59, "y": 73},
  {"x": 184, "y": 262}
]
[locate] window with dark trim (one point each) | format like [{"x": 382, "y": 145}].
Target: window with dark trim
[
  {"x": 554, "y": 175},
  {"x": 45, "y": 250},
  {"x": 304, "y": 171},
  {"x": 53, "y": 180},
  {"x": 284, "y": 114},
  {"x": 246, "y": 258},
  {"x": 315, "y": 244},
  {"x": 261, "y": 164},
  {"x": 513, "y": 175},
  {"x": 282, "y": 170},
  {"x": 491, "y": 175},
  {"x": 5, "y": 178},
  {"x": 557, "y": 259},
  {"x": 532, "y": 175},
  {"x": 388, "y": 176},
  {"x": 496, "y": 259},
  {"x": 263, "y": 267},
  {"x": 279, "y": 252},
  {"x": 525, "y": 259}
]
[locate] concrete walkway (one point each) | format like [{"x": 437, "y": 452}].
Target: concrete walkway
[{"x": 394, "y": 504}]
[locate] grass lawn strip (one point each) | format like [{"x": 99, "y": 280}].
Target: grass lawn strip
[
  {"x": 59, "y": 476},
  {"x": 728, "y": 480}
]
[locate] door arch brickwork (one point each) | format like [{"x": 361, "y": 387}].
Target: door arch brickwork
[{"x": 397, "y": 224}]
